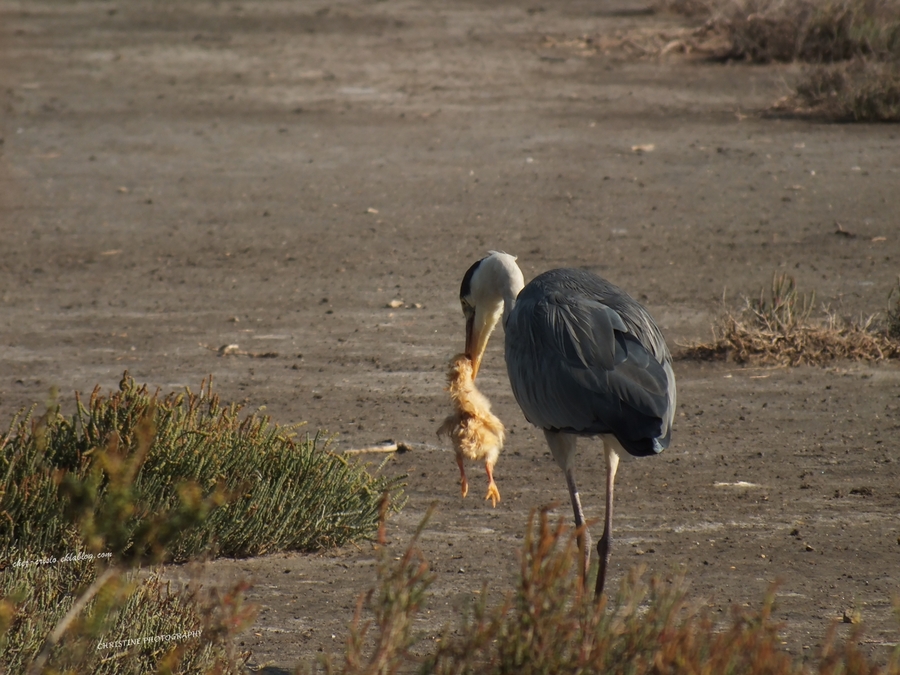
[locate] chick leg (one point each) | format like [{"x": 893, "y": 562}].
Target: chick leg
[
  {"x": 464, "y": 484},
  {"x": 493, "y": 493}
]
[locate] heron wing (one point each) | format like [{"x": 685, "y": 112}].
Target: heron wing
[{"x": 577, "y": 364}]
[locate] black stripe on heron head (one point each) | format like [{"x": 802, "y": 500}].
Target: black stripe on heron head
[{"x": 465, "y": 289}]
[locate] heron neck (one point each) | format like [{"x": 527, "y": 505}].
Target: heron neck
[
  {"x": 499, "y": 280},
  {"x": 509, "y": 301}
]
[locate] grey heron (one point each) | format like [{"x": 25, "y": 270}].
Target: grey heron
[{"x": 584, "y": 359}]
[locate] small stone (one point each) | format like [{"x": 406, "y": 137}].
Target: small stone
[{"x": 852, "y": 616}]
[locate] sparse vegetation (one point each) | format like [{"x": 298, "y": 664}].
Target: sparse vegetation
[
  {"x": 548, "y": 625},
  {"x": 862, "y": 90},
  {"x": 58, "y": 610},
  {"x": 776, "y": 328},
  {"x": 811, "y": 31},
  {"x": 892, "y": 313},
  {"x": 852, "y": 46},
  {"x": 135, "y": 479},
  {"x": 273, "y": 491},
  {"x": 126, "y": 605}
]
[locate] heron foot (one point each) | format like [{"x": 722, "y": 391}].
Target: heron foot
[{"x": 604, "y": 549}]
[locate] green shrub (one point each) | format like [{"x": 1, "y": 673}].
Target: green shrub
[
  {"x": 272, "y": 490},
  {"x": 132, "y": 479},
  {"x": 134, "y": 605}
]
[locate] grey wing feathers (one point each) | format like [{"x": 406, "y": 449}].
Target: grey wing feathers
[{"x": 583, "y": 357}]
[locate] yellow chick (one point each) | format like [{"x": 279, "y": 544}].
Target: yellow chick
[{"x": 475, "y": 432}]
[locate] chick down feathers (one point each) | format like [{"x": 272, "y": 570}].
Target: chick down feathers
[{"x": 475, "y": 432}]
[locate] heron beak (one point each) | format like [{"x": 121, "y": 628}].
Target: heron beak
[
  {"x": 476, "y": 342},
  {"x": 470, "y": 329}
]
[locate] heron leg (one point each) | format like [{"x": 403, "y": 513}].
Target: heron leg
[
  {"x": 604, "y": 546},
  {"x": 583, "y": 534},
  {"x": 562, "y": 446}
]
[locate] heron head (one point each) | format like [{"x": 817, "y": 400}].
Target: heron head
[{"x": 488, "y": 291}]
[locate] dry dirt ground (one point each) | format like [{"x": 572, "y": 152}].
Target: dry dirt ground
[{"x": 178, "y": 176}]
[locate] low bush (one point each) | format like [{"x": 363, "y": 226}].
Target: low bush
[
  {"x": 135, "y": 479},
  {"x": 272, "y": 491},
  {"x": 131, "y": 623}
]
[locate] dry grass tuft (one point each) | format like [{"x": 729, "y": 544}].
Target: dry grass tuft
[
  {"x": 812, "y": 31},
  {"x": 852, "y": 46},
  {"x": 863, "y": 90},
  {"x": 777, "y": 329},
  {"x": 548, "y": 625},
  {"x": 892, "y": 314},
  {"x": 744, "y": 342}
]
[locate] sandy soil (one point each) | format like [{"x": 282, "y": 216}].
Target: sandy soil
[{"x": 179, "y": 176}]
